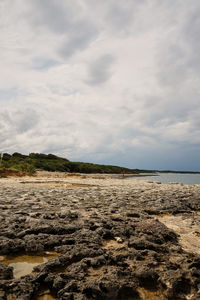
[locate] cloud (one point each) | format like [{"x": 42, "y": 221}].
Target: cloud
[
  {"x": 120, "y": 16},
  {"x": 7, "y": 94},
  {"x": 100, "y": 70},
  {"x": 68, "y": 21},
  {"x": 25, "y": 120},
  {"x": 43, "y": 63},
  {"x": 179, "y": 48},
  {"x": 17, "y": 125},
  {"x": 55, "y": 16},
  {"x": 111, "y": 82},
  {"x": 78, "y": 38}
]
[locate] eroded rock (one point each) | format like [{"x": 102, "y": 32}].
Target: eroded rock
[{"x": 111, "y": 237}]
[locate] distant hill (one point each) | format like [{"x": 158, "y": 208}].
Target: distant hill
[{"x": 50, "y": 162}]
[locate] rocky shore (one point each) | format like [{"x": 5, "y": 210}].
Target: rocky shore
[{"x": 98, "y": 237}]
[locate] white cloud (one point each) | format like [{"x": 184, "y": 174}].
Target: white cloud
[{"x": 110, "y": 82}]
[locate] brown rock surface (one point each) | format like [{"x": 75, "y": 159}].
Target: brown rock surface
[{"x": 116, "y": 238}]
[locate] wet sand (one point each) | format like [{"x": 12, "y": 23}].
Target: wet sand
[{"x": 116, "y": 238}]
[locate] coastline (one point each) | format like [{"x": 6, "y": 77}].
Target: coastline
[{"x": 134, "y": 238}]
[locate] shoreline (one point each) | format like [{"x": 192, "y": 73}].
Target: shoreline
[{"x": 136, "y": 238}]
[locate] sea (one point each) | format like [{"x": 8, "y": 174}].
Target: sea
[{"x": 172, "y": 177}]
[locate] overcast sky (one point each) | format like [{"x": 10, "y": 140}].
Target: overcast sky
[{"x": 111, "y": 81}]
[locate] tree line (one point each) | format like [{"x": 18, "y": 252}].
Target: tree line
[{"x": 50, "y": 162}]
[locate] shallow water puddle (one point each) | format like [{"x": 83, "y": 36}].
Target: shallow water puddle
[
  {"x": 187, "y": 228},
  {"x": 24, "y": 264}
]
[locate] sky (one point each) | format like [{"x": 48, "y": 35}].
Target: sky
[{"x": 113, "y": 82}]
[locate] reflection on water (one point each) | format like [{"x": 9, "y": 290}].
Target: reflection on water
[{"x": 24, "y": 264}]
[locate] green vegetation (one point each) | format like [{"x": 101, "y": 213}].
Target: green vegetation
[
  {"x": 49, "y": 162},
  {"x": 28, "y": 164},
  {"x": 17, "y": 162}
]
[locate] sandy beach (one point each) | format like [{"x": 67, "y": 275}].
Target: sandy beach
[{"x": 98, "y": 237}]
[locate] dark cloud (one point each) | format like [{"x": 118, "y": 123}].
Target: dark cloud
[
  {"x": 162, "y": 158},
  {"x": 178, "y": 58},
  {"x": 100, "y": 70},
  {"x": 78, "y": 38},
  {"x": 190, "y": 39},
  {"x": 68, "y": 20},
  {"x": 51, "y": 14},
  {"x": 120, "y": 15},
  {"x": 178, "y": 108}
]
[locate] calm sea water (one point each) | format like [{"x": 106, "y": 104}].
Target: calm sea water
[{"x": 171, "y": 177}]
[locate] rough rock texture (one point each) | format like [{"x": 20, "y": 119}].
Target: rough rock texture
[{"x": 110, "y": 236}]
